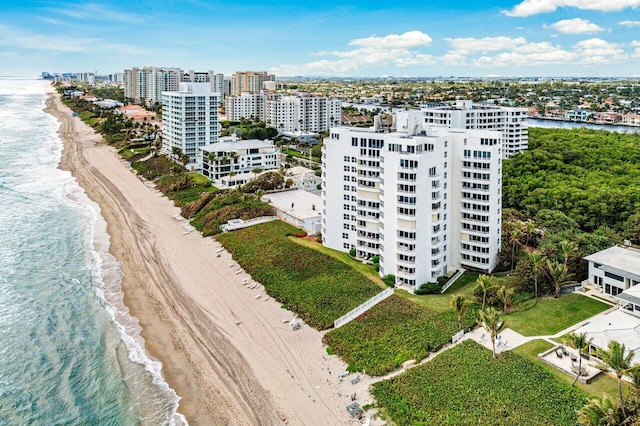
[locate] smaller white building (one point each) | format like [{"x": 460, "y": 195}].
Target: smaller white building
[
  {"x": 299, "y": 208},
  {"x": 303, "y": 178},
  {"x": 237, "y": 159},
  {"x": 615, "y": 270}
]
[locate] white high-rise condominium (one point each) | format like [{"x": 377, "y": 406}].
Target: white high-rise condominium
[
  {"x": 189, "y": 121},
  {"x": 427, "y": 200},
  {"x": 147, "y": 84},
  {"x": 512, "y": 122},
  {"x": 299, "y": 113},
  {"x": 216, "y": 80},
  {"x": 246, "y": 105}
]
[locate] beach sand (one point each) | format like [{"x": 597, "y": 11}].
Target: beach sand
[{"x": 229, "y": 356}]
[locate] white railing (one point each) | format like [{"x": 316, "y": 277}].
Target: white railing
[
  {"x": 234, "y": 224},
  {"x": 452, "y": 280},
  {"x": 362, "y": 308},
  {"x": 457, "y": 336}
]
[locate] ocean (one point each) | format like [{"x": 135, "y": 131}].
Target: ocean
[{"x": 70, "y": 353}]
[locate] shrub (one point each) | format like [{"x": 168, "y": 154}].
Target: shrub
[
  {"x": 314, "y": 285},
  {"x": 392, "y": 332},
  {"x": 352, "y": 252},
  {"x": 389, "y": 280},
  {"x": 429, "y": 288},
  {"x": 465, "y": 386},
  {"x": 375, "y": 259}
]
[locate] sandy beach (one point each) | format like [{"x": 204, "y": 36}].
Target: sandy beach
[{"x": 231, "y": 357}]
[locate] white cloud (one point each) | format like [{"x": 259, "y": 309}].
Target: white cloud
[
  {"x": 11, "y": 37},
  {"x": 391, "y": 41},
  {"x": 629, "y": 24},
  {"x": 596, "y": 51},
  {"x": 467, "y": 45},
  {"x": 575, "y": 26},
  {"x": 96, "y": 12},
  {"x": 15, "y": 37},
  {"x": 636, "y": 52},
  {"x": 401, "y": 50},
  {"x": 534, "y": 7}
]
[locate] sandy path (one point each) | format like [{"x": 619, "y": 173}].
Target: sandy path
[{"x": 227, "y": 354}]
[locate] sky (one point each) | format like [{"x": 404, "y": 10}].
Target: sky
[{"x": 410, "y": 38}]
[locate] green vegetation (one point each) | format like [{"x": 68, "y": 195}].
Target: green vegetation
[
  {"x": 465, "y": 386},
  {"x": 550, "y": 315},
  {"x": 592, "y": 176},
  {"x": 602, "y": 384},
  {"x": 216, "y": 208},
  {"x": 392, "y": 332},
  {"x": 313, "y": 285},
  {"x": 132, "y": 154}
]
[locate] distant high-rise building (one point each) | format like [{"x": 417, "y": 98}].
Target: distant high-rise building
[
  {"x": 249, "y": 81},
  {"x": 86, "y": 77},
  {"x": 147, "y": 84},
  {"x": 512, "y": 122},
  {"x": 299, "y": 113},
  {"x": 427, "y": 200},
  {"x": 189, "y": 121}
]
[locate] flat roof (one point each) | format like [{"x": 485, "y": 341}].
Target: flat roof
[
  {"x": 235, "y": 145},
  {"x": 297, "y": 203},
  {"x": 621, "y": 258}
]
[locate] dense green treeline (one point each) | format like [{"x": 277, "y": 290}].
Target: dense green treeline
[{"x": 591, "y": 176}]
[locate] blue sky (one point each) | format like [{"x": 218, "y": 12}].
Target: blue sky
[{"x": 316, "y": 38}]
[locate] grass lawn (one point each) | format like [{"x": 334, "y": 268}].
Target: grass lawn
[
  {"x": 366, "y": 270},
  {"x": 602, "y": 384},
  {"x": 550, "y": 315},
  {"x": 199, "y": 179},
  {"x": 128, "y": 153},
  {"x": 392, "y": 332},
  {"x": 464, "y": 286},
  {"x": 316, "y": 286},
  {"x": 465, "y": 386}
]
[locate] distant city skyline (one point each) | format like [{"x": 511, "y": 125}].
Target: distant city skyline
[{"x": 497, "y": 38}]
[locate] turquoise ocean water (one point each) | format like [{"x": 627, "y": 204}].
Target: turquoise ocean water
[{"x": 69, "y": 351}]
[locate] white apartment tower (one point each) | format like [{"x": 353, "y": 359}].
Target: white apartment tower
[
  {"x": 147, "y": 84},
  {"x": 299, "y": 113},
  {"x": 512, "y": 122},
  {"x": 189, "y": 121},
  {"x": 427, "y": 200},
  {"x": 249, "y": 81},
  {"x": 246, "y": 105}
]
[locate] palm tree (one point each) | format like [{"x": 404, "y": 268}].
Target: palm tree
[
  {"x": 598, "y": 412},
  {"x": 529, "y": 228},
  {"x": 616, "y": 358},
  {"x": 559, "y": 275},
  {"x": 514, "y": 239},
  {"x": 459, "y": 305},
  {"x": 580, "y": 342},
  {"x": 537, "y": 262},
  {"x": 567, "y": 247},
  {"x": 490, "y": 320},
  {"x": 505, "y": 294},
  {"x": 485, "y": 282}
]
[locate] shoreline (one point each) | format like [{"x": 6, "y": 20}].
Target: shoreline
[{"x": 227, "y": 354}]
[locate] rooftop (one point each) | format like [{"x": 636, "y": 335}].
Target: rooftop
[
  {"x": 237, "y": 144},
  {"x": 615, "y": 325},
  {"x": 299, "y": 204},
  {"x": 618, "y": 257}
]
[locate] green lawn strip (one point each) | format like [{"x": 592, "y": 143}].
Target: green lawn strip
[
  {"x": 465, "y": 386},
  {"x": 366, "y": 270},
  {"x": 602, "y": 384},
  {"x": 314, "y": 285},
  {"x": 392, "y": 332},
  {"x": 294, "y": 153},
  {"x": 550, "y": 315},
  {"x": 199, "y": 179},
  {"x": 189, "y": 195},
  {"x": 463, "y": 286}
]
